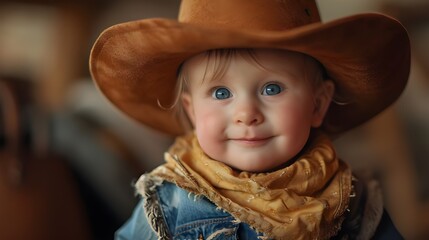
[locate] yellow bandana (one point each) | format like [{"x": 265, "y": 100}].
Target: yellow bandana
[{"x": 305, "y": 200}]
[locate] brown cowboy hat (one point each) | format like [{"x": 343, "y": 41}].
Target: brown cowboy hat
[{"x": 135, "y": 64}]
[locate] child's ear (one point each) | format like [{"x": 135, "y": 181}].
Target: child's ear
[
  {"x": 323, "y": 99},
  {"x": 188, "y": 106}
]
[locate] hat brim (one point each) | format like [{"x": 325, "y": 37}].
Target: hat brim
[{"x": 367, "y": 56}]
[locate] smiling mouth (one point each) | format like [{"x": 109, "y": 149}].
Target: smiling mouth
[{"x": 251, "y": 142}]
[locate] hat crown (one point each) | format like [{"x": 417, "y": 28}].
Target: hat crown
[{"x": 249, "y": 14}]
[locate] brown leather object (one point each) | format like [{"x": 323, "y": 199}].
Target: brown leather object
[
  {"x": 135, "y": 64},
  {"x": 39, "y": 198}
]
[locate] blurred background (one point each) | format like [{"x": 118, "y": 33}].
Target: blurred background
[{"x": 68, "y": 158}]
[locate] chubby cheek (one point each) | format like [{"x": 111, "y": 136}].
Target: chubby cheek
[
  {"x": 295, "y": 124},
  {"x": 209, "y": 129}
]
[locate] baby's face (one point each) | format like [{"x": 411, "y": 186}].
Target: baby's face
[{"x": 252, "y": 118}]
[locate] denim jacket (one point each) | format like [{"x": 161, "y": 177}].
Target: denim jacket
[
  {"x": 183, "y": 216},
  {"x": 169, "y": 212}
]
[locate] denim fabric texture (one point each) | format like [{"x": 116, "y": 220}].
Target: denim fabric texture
[
  {"x": 191, "y": 217},
  {"x": 187, "y": 216}
]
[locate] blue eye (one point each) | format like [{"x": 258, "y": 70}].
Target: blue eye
[
  {"x": 272, "y": 89},
  {"x": 221, "y": 93}
]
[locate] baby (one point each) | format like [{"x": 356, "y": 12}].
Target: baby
[{"x": 254, "y": 98}]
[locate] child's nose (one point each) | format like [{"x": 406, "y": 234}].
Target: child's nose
[{"x": 248, "y": 114}]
